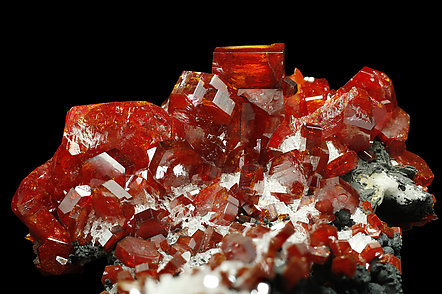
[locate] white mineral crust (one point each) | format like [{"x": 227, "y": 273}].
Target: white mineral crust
[{"x": 386, "y": 186}]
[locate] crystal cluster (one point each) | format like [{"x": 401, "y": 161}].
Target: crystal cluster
[{"x": 245, "y": 180}]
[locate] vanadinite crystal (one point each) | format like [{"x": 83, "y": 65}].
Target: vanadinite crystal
[{"x": 244, "y": 180}]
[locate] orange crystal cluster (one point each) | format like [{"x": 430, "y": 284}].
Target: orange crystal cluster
[{"x": 239, "y": 166}]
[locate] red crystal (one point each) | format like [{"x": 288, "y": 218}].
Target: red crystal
[
  {"x": 314, "y": 93},
  {"x": 295, "y": 270},
  {"x": 241, "y": 169},
  {"x": 395, "y": 132},
  {"x": 176, "y": 163},
  {"x": 376, "y": 83},
  {"x": 340, "y": 247},
  {"x": 323, "y": 234},
  {"x": 132, "y": 127},
  {"x": 344, "y": 264},
  {"x": 341, "y": 158},
  {"x": 282, "y": 236},
  {"x": 424, "y": 175},
  {"x": 238, "y": 247},
  {"x": 173, "y": 267},
  {"x": 215, "y": 198},
  {"x": 390, "y": 258},
  {"x": 115, "y": 273},
  {"x": 150, "y": 222},
  {"x": 234, "y": 64},
  {"x": 132, "y": 251},
  {"x": 336, "y": 194},
  {"x": 372, "y": 250}
]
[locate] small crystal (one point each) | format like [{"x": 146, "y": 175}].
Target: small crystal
[
  {"x": 344, "y": 264},
  {"x": 238, "y": 247},
  {"x": 359, "y": 241},
  {"x": 132, "y": 251},
  {"x": 116, "y": 189}
]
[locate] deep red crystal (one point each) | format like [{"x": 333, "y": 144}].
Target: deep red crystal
[
  {"x": 344, "y": 264},
  {"x": 132, "y": 251},
  {"x": 235, "y": 63}
]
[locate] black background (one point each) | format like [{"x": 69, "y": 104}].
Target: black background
[{"x": 59, "y": 57}]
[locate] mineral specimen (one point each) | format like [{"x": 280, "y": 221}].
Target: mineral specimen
[{"x": 244, "y": 181}]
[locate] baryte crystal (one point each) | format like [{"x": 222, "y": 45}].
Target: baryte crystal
[
  {"x": 243, "y": 177},
  {"x": 102, "y": 167},
  {"x": 72, "y": 197},
  {"x": 116, "y": 189}
]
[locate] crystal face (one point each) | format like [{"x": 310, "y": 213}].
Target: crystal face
[{"x": 245, "y": 180}]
